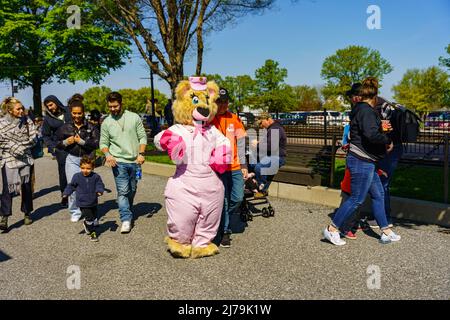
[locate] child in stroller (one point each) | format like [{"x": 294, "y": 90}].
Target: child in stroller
[{"x": 251, "y": 206}]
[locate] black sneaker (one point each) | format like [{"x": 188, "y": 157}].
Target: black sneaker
[
  {"x": 27, "y": 220},
  {"x": 226, "y": 241},
  {"x": 4, "y": 223},
  {"x": 64, "y": 203},
  {"x": 93, "y": 236}
]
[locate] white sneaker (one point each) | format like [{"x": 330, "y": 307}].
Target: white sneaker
[
  {"x": 75, "y": 218},
  {"x": 126, "y": 227},
  {"x": 333, "y": 237},
  {"x": 392, "y": 237},
  {"x": 96, "y": 223}
]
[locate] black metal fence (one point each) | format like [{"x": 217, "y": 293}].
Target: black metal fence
[
  {"x": 431, "y": 148},
  {"x": 320, "y": 127}
]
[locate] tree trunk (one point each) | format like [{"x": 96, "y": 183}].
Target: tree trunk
[{"x": 37, "y": 103}]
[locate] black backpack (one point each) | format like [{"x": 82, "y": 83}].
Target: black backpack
[{"x": 403, "y": 120}]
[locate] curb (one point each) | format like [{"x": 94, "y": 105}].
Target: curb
[{"x": 402, "y": 208}]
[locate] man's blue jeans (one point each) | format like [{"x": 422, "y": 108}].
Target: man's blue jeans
[
  {"x": 126, "y": 185},
  {"x": 268, "y": 166},
  {"x": 364, "y": 180},
  {"x": 233, "y": 182},
  {"x": 388, "y": 165}
]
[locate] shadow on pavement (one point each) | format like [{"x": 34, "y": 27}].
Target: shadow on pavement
[
  {"x": 44, "y": 192},
  {"x": 236, "y": 223},
  {"x": 140, "y": 209},
  {"x": 111, "y": 226},
  {"x": 37, "y": 215},
  {"x": 4, "y": 257},
  {"x": 146, "y": 209}
]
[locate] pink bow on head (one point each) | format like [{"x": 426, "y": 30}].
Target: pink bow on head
[{"x": 198, "y": 83}]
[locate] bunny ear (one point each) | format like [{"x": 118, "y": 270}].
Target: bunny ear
[
  {"x": 213, "y": 90},
  {"x": 183, "y": 87}
]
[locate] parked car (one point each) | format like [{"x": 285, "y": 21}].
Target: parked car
[
  {"x": 438, "y": 120},
  {"x": 318, "y": 118},
  {"x": 247, "y": 118},
  {"x": 299, "y": 117}
]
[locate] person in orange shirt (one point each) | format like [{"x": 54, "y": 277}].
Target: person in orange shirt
[{"x": 233, "y": 179}]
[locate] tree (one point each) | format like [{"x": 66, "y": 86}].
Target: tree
[
  {"x": 241, "y": 90},
  {"x": 37, "y": 46},
  {"x": 423, "y": 90},
  {"x": 445, "y": 62},
  {"x": 350, "y": 65},
  {"x": 132, "y": 99},
  {"x": 137, "y": 100},
  {"x": 145, "y": 94},
  {"x": 95, "y": 98},
  {"x": 273, "y": 94},
  {"x": 169, "y": 29},
  {"x": 307, "y": 98}
]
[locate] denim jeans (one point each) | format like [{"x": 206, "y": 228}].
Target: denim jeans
[
  {"x": 233, "y": 182},
  {"x": 364, "y": 180},
  {"x": 388, "y": 165},
  {"x": 73, "y": 167},
  {"x": 268, "y": 166},
  {"x": 126, "y": 185}
]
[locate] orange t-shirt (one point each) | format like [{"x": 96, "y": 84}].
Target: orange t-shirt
[{"x": 231, "y": 127}]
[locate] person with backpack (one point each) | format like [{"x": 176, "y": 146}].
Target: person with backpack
[
  {"x": 368, "y": 145},
  {"x": 401, "y": 126},
  {"x": 78, "y": 138}
]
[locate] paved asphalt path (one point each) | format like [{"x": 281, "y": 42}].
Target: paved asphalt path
[{"x": 283, "y": 257}]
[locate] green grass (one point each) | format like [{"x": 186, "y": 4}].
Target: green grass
[
  {"x": 418, "y": 182},
  {"x": 164, "y": 158}
]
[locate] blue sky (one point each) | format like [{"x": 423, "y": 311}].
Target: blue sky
[{"x": 413, "y": 34}]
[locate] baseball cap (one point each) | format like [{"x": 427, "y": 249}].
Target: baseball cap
[
  {"x": 262, "y": 116},
  {"x": 355, "y": 90},
  {"x": 223, "y": 95}
]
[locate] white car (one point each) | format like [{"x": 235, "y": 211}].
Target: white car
[{"x": 333, "y": 118}]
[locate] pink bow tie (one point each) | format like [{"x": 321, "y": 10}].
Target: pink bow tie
[{"x": 200, "y": 128}]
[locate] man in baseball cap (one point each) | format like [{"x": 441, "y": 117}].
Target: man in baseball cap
[
  {"x": 231, "y": 127},
  {"x": 223, "y": 96}
]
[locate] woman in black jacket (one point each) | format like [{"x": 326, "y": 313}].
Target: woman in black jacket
[
  {"x": 56, "y": 114},
  {"x": 78, "y": 138},
  {"x": 368, "y": 145}
]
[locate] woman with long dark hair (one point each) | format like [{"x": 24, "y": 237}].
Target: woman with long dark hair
[{"x": 78, "y": 138}]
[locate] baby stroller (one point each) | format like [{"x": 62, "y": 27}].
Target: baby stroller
[{"x": 251, "y": 206}]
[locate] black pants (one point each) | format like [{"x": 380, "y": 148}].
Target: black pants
[
  {"x": 7, "y": 198},
  {"x": 61, "y": 159},
  {"x": 89, "y": 214}
]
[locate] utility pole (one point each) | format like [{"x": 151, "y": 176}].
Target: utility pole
[
  {"x": 153, "y": 123},
  {"x": 151, "y": 87}
]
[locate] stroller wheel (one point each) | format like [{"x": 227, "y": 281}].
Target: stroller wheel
[
  {"x": 271, "y": 211},
  {"x": 265, "y": 213},
  {"x": 244, "y": 215}
]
